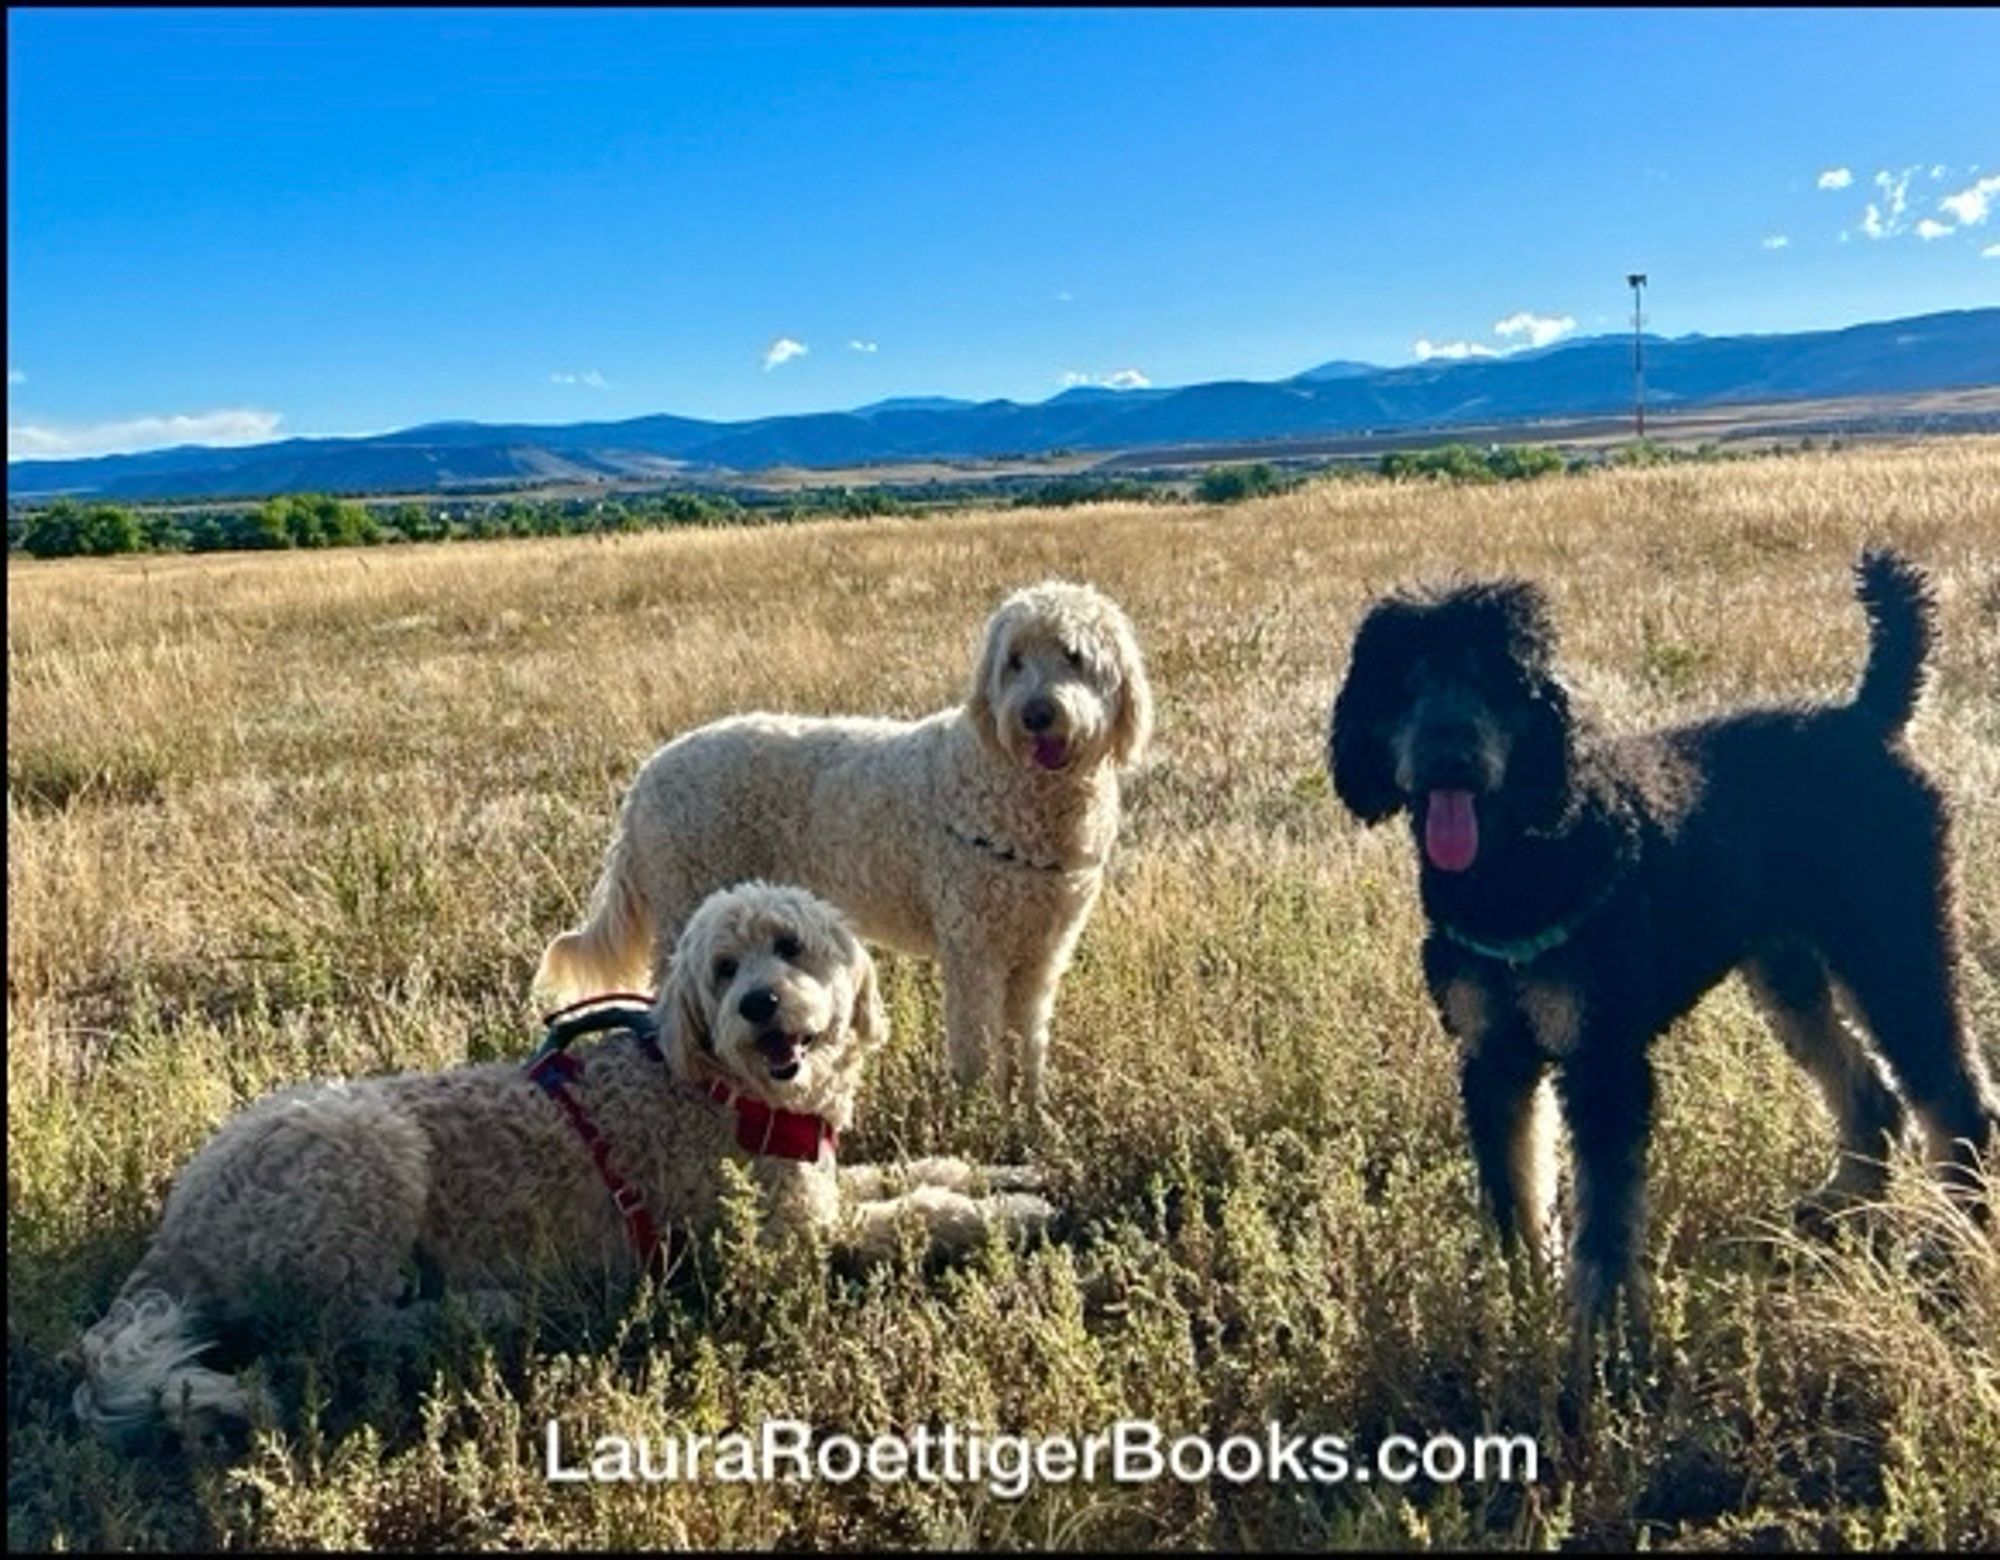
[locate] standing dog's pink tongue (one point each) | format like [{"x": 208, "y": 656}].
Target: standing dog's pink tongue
[{"x": 1451, "y": 830}]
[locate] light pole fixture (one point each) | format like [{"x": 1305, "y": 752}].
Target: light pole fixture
[{"x": 1637, "y": 280}]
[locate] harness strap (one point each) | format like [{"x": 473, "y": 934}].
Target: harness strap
[
  {"x": 760, "y": 1128},
  {"x": 555, "y": 1071}
]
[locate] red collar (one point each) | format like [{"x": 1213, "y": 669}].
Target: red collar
[{"x": 765, "y": 1129}]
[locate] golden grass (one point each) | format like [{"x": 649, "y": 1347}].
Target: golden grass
[{"x": 273, "y": 816}]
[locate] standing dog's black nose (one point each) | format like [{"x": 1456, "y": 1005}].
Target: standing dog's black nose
[
  {"x": 1038, "y": 714},
  {"x": 759, "y": 1006}
]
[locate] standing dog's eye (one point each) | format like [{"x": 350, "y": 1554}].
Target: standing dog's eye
[
  {"x": 787, "y": 946},
  {"x": 725, "y": 971},
  {"x": 1075, "y": 658},
  {"x": 1014, "y": 661}
]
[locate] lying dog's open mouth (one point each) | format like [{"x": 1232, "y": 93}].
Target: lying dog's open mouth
[
  {"x": 1051, "y": 753},
  {"x": 783, "y": 1054}
]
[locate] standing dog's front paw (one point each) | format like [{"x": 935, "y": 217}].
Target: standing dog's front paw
[{"x": 968, "y": 1063}]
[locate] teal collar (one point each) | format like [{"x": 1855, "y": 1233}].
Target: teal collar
[{"x": 1525, "y": 950}]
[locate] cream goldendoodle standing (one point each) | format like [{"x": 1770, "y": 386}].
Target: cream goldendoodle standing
[{"x": 977, "y": 836}]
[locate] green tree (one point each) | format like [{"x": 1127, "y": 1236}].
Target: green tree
[
  {"x": 1231, "y": 484},
  {"x": 53, "y": 532}
]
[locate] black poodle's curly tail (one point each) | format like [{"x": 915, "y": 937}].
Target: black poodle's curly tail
[{"x": 1896, "y": 595}]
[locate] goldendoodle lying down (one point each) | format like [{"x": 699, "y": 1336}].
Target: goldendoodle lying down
[
  {"x": 977, "y": 836},
  {"x": 483, "y": 1174}
]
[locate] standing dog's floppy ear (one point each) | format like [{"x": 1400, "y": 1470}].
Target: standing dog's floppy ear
[
  {"x": 1357, "y": 752},
  {"x": 979, "y": 702},
  {"x": 1134, "y": 727},
  {"x": 1545, "y": 755}
]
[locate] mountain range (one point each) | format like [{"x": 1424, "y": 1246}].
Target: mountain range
[{"x": 1582, "y": 377}]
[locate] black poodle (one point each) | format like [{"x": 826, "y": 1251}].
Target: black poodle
[{"x": 1584, "y": 890}]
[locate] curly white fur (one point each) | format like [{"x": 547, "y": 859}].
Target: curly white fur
[
  {"x": 976, "y": 836},
  {"x": 335, "y": 1190}
]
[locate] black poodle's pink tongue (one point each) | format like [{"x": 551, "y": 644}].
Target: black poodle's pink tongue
[{"x": 1451, "y": 830}]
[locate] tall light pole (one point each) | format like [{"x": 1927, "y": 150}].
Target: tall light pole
[{"x": 1636, "y": 280}]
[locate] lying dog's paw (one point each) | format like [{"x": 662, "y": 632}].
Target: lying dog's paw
[
  {"x": 1024, "y": 1214},
  {"x": 1014, "y": 1178}
]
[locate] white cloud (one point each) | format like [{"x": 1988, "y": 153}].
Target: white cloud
[
  {"x": 1938, "y": 170},
  {"x": 57, "y": 441},
  {"x": 862, "y": 346},
  {"x": 1065, "y": 296},
  {"x": 783, "y": 350},
  {"x": 1124, "y": 379},
  {"x": 1895, "y": 188},
  {"x": 1426, "y": 350},
  {"x": 590, "y": 377},
  {"x": 1836, "y": 178},
  {"x": 1990, "y": 252},
  {"x": 16, "y": 377},
  {"x": 1540, "y": 329},
  {"x": 1872, "y": 224},
  {"x": 1777, "y": 241},
  {"x": 1928, "y": 230},
  {"x": 1973, "y": 204}
]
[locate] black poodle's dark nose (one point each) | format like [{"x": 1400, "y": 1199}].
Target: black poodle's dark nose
[
  {"x": 759, "y": 1006},
  {"x": 1038, "y": 714}
]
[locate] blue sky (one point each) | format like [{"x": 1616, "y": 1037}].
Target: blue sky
[{"x": 230, "y": 225}]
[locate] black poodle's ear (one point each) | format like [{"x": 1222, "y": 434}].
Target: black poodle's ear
[
  {"x": 1531, "y": 626},
  {"x": 1357, "y": 751},
  {"x": 1542, "y": 772}
]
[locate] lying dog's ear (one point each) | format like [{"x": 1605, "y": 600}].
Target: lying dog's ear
[
  {"x": 1357, "y": 752},
  {"x": 1134, "y": 727},
  {"x": 683, "y": 1012},
  {"x": 870, "y": 1019}
]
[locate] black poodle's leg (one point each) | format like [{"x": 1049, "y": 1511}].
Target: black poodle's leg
[
  {"x": 1499, "y": 1071},
  {"x": 1790, "y": 983},
  {"x": 1498, "y": 1079},
  {"x": 1607, "y": 1099},
  {"x": 1898, "y": 963}
]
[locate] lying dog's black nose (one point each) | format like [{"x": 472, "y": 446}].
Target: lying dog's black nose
[
  {"x": 1038, "y": 715},
  {"x": 759, "y": 1006}
]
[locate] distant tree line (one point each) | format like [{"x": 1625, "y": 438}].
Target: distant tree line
[
  {"x": 1463, "y": 463},
  {"x": 70, "y": 528},
  {"x": 67, "y": 528}
]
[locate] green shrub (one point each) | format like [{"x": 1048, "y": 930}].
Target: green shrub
[{"x": 1232, "y": 484}]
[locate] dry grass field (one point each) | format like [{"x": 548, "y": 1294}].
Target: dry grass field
[{"x": 271, "y": 817}]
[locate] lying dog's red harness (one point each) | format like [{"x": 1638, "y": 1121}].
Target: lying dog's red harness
[{"x": 760, "y": 1128}]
